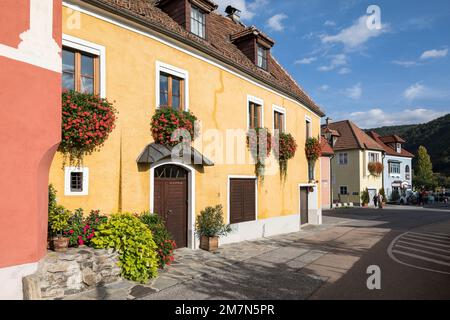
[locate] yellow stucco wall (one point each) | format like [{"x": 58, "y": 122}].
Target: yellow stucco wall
[{"x": 217, "y": 97}]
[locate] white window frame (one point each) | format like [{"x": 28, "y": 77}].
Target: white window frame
[
  {"x": 339, "y": 158},
  {"x": 92, "y": 48},
  {"x": 282, "y": 110},
  {"x": 174, "y": 71},
  {"x": 346, "y": 187},
  {"x": 258, "y": 101},
  {"x": 377, "y": 156},
  {"x": 391, "y": 165},
  {"x": 399, "y": 147},
  {"x": 67, "y": 174},
  {"x": 228, "y": 197},
  {"x": 309, "y": 120},
  {"x": 201, "y": 24}
]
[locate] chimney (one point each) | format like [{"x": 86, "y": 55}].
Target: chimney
[
  {"x": 329, "y": 120},
  {"x": 233, "y": 14}
]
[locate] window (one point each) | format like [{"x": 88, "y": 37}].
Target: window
[
  {"x": 242, "y": 197},
  {"x": 343, "y": 190},
  {"x": 374, "y": 157},
  {"x": 308, "y": 129},
  {"x": 407, "y": 173},
  {"x": 76, "y": 181},
  {"x": 80, "y": 71},
  {"x": 254, "y": 115},
  {"x": 261, "y": 60},
  {"x": 343, "y": 158},
  {"x": 170, "y": 91},
  {"x": 394, "y": 167},
  {"x": 399, "y": 147},
  {"x": 279, "y": 118},
  {"x": 198, "y": 25}
]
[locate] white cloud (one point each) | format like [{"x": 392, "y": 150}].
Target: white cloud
[
  {"x": 329, "y": 23},
  {"x": 325, "y": 87},
  {"x": 345, "y": 71},
  {"x": 276, "y": 22},
  {"x": 415, "y": 91},
  {"x": 375, "y": 118},
  {"x": 405, "y": 63},
  {"x": 430, "y": 54},
  {"x": 336, "y": 61},
  {"x": 354, "y": 92},
  {"x": 355, "y": 36},
  {"x": 306, "y": 60},
  {"x": 248, "y": 8}
]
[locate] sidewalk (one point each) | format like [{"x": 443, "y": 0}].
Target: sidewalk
[{"x": 193, "y": 264}]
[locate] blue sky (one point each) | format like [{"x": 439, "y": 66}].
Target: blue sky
[{"x": 396, "y": 74}]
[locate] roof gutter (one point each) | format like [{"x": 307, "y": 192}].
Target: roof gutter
[{"x": 197, "y": 46}]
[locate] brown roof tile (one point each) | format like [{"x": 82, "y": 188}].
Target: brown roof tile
[
  {"x": 387, "y": 148},
  {"x": 352, "y": 137},
  {"x": 327, "y": 150},
  {"x": 218, "y": 44}
]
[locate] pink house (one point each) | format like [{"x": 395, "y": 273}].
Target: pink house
[
  {"x": 30, "y": 78},
  {"x": 325, "y": 169}
]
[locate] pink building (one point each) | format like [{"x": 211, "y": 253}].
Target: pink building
[
  {"x": 325, "y": 169},
  {"x": 30, "y": 82}
]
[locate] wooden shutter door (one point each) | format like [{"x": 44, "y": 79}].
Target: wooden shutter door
[{"x": 242, "y": 200}]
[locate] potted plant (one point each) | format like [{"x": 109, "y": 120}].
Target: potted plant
[
  {"x": 284, "y": 151},
  {"x": 365, "y": 198},
  {"x": 58, "y": 220},
  {"x": 210, "y": 226}
]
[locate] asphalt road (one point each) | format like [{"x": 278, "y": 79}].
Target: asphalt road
[{"x": 410, "y": 246}]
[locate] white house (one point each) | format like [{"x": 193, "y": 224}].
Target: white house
[{"x": 397, "y": 175}]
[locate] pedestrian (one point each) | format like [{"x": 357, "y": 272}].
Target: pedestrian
[
  {"x": 380, "y": 201},
  {"x": 375, "y": 200}
]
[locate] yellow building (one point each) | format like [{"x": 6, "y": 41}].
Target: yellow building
[{"x": 144, "y": 55}]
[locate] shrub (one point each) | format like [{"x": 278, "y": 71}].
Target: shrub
[
  {"x": 210, "y": 223},
  {"x": 162, "y": 238},
  {"x": 87, "y": 121},
  {"x": 167, "y": 121},
  {"x": 82, "y": 230},
  {"x": 365, "y": 198},
  {"x": 134, "y": 242},
  {"x": 58, "y": 220}
]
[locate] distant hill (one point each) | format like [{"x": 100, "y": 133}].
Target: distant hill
[{"x": 434, "y": 135}]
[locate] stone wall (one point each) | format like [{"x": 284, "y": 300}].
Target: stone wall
[{"x": 77, "y": 270}]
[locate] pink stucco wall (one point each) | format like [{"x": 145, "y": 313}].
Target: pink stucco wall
[
  {"x": 29, "y": 135},
  {"x": 325, "y": 182}
]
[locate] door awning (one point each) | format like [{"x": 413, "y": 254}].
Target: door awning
[{"x": 154, "y": 153}]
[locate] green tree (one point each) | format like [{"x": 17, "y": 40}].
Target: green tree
[{"x": 424, "y": 177}]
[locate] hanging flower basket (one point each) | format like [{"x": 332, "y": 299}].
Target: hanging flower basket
[
  {"x": 87, "y": 121},
  {"x": 284, "y": 149},
  {"x": 170, "y": 127},
  {"x": 313, "y": 149},
  {"x": 375, "y": 168},
  {"x": 260, "y": 149}
]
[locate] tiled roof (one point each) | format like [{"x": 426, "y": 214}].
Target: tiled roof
[
  {"x": 352, "y": 137},
  {"x": 387, "y": 148},
  {"x": 392, "y": 139},
  {"x": 327, "y": 150},
  {"x": 218, "y": 45}
]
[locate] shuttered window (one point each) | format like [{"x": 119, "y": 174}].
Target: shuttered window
[{"x": 242, "y": 200}]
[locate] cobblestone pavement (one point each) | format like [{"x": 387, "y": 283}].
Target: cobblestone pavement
[{"x": 190, "y": 264}]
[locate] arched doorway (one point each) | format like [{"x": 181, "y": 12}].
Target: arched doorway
[{"x": 170, "y": 196}]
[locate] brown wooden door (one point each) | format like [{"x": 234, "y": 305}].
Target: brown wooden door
[
  {"x": 303, "y": 206},
  {"x": 170, "y": 202}
]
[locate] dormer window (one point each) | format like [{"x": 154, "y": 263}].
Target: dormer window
[
  {"x": 262, "y": 57},
  {"x": 198, "y": 22},
  {"x": 399, "y": 147}
]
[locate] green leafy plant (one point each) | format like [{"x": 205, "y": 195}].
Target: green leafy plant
[
  {"x": 168, "y": 122},
  {"x": 285, "y": 150},
  {"x": 87, "y": 121},
  {"x": 58, "y": 220},
  {"x": 365, "y": 198},
  {"x": 210, "y": 223},
  {"x": 259, "y": 142},
  {"x": 162, "y": 238},
  {"x": 81, "y": 230},
  {"x": 134, "y": 241}
]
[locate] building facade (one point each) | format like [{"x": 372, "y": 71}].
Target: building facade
[
  {"x": 184, "y": 55},
  {"x": 30, "y": 126},
  {"x": 325, "y": 173},
  {"x": 397, "y": 175},
  {"x": 354, "y": 151}
]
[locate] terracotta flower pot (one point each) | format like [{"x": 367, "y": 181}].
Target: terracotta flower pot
[
  {"x": 60, "y": 244},
  {"x": 209, "y": 243}
]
